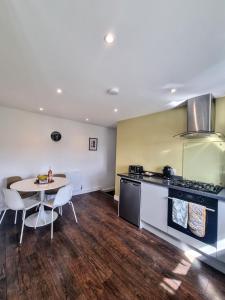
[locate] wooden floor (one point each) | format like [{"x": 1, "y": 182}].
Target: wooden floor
[{"x": 102, "y": 257}]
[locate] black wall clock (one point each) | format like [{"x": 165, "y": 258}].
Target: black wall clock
[{"x": 56, "y": 136}]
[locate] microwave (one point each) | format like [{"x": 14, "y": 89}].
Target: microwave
[{"x": 135, "y": 169}]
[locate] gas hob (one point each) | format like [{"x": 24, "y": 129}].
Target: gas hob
[{"x": 196, "y": 185}]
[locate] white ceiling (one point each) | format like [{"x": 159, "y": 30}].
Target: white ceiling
[{"x": 50, "y": 44}]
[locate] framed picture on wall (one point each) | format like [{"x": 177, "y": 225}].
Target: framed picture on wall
[{"x": 93, "y": 144}]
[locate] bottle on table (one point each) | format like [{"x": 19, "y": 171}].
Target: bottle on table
[{"x": 50, "y": 175}]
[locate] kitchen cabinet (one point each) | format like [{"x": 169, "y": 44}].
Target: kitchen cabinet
[
  {"x": 154, "y": 205},
  {"x": 221, "y": 232}
]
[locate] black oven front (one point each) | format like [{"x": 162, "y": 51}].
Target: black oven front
[{"x": 211, "y": 205}]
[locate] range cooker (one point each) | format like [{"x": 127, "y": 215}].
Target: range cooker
[{"x": 211, "y": 206}]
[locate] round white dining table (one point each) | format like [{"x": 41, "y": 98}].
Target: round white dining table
[{"x": 29, "y": 185}]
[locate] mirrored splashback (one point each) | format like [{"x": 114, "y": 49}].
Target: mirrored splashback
[{"x": 204, "y": 161}]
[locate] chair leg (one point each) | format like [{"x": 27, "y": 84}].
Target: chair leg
[
  {"x": 2, "y": 217},
  {"x": 52, "y": 225},
  {"x": 15, "y": 219},
  {"x": 61, "y": 210},
  {"x": 21, "y": 234},
  {"x": 75, "y": 216}
]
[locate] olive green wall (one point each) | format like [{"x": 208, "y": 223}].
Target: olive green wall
[{"x": 149, "y": 141}]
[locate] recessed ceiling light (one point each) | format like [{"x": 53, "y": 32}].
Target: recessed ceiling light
[
  {"x": 115, "y": 109},
  {"x": 109, "y": 38},
  {"x": 113, "y": 91},
  {"x": 173, "y": 91},
  {"x": 59, "y": 91},
  {"x": 87, "y": 119},
  {"x": 41, "y": 108}
]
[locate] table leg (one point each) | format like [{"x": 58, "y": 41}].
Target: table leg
[{"x": 45, "y": 216}]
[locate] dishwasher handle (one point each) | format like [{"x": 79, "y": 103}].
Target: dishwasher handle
[{"x": 134, "y": 183}]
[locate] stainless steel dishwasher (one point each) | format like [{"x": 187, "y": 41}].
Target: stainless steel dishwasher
[{"x": 130, "y": 200}]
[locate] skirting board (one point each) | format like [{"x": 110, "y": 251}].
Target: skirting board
[
  {"x": 84, "y": 191},
  {"x": 93, "y": 189},
  {"x": 108, "y": 189},
  {"x": 116, "y": 198},
  {"x": 184, "y": 247}
]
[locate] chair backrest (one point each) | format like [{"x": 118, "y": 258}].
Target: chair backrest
[
  {"x": 12, "y": 199},
  {"x": 11, "y": 180},
  {"x": 59, "y": 175},
  {"x": 63, "y": 196}
]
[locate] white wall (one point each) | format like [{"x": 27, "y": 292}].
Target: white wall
[{"x": 26, "y": 149}]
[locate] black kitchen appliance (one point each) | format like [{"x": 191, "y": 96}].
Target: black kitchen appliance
[
  {"x": 211, "y": 205},
  {"x": 168, "y": 172},
  {"x": 135, "y": 169}
]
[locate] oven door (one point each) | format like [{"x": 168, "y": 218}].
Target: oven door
[{"x": 211, "y": 205}]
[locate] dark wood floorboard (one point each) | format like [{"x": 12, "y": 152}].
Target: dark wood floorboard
[{"x": 101, "y": 257}]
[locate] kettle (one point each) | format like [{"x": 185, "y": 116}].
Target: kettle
[{"x": 168, "y": 172}]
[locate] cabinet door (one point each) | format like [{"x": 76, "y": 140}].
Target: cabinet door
[
  {"x": 154, "y": 204},
  {"x": 221, "y": 232}
]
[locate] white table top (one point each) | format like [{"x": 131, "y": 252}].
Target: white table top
[{"x": 28, "y": 185}]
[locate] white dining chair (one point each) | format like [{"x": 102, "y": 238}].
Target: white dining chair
[
  {"x": 14, "y": 202},
  {"x": 9, "y": 181},
  {"x": 63, "y": 196},
  {"x": 2, "y": 213},
  {"x": 4, "y": 209}
]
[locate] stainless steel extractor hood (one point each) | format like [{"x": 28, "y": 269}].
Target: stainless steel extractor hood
[{"x": 200, "y": 117}]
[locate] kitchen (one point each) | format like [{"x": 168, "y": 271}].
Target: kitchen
[
  {"x": 112, "y": 153},
  {"x": 184, "y": 205}
]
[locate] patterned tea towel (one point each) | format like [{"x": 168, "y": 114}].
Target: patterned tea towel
[
  {"x": 180, "y": 212},
  {"x": 197, "y": 219}
]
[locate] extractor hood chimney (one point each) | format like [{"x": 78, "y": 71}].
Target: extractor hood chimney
[{"x": 200, "y": 117}]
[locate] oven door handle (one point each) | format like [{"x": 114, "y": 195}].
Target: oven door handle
[{"x": 209, "y": 209}]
